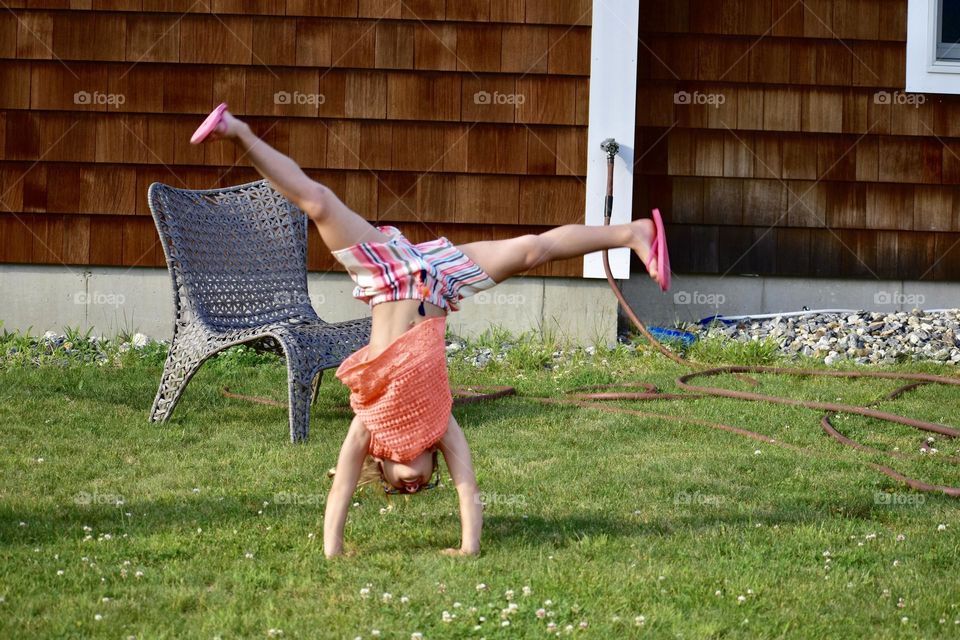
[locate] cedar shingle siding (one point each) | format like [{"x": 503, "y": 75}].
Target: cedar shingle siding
[
  {"x": 852, "y": 183},
  {"x": 398, "y": 134}
]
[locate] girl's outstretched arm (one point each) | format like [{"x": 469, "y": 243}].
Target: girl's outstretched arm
[
  {"x": 349, "y": 464},
  {"x": 456, "y": 452}
]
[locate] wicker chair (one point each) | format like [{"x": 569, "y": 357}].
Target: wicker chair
[{"x": 237, "y": 257}]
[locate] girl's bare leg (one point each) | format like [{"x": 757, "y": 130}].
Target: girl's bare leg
[
  {"x": 339, "y": 226},
  {"x": 502, "y": 259}
]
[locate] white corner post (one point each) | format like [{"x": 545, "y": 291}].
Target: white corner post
[{"x": 613, "y": 101}]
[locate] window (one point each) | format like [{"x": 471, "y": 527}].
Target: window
[
  {"x": 948, "y": 30},
  {"x": 933, "y": 46}
]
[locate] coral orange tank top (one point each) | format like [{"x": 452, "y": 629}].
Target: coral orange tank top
[{"x": 403, "y": 394}]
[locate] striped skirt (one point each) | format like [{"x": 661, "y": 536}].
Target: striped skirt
[{"x": 434, "y": 271}]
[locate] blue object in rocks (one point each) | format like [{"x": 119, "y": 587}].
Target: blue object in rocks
[{"x": 662, "y": 334}]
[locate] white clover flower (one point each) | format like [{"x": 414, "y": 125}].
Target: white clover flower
[
  {"x": 505, "y": 623},
  {"x": 471, "y": 609},
  {"x": 551, "y": 627},
  {"x": 482, "y": 618},
  {"x": 375, "y": 633},
  {"x": 446, "y": 616},
  {"x": 547, "y": 603},
  {"x": 541, "y": 613},
  {"x": 481, "y": 587},
  {"x": 383, "y": 511},
  {"x": 896, "y": 563},
  {"x": 904, "y": 619},
  {"x": 901, "y": 537},
  {"x": 311, "y": 535},
  {"x": 139, "y": 574},
  {"x": 826, "y": 554},
  {"x": 756, "y": 452},
  {"x": 60, "y": 572},
  {"x": 749, "y": 592},
  {"x": 404, "y": 599},
  {"x": 248, "y": 555},
  {"x": 386, "y": 597},
  {"x": 741, "y": 599},
  {"x": 527, "y": 591},
  {"x": 416, "y": 635},
  {"x": 717, "y": 593},
  {"x": 508, "y": 594},
  {"x": 98, "y": 617},
  {"x": 583, "y": 624},
  {"x": 941, "y": 527},
  {"x": 457, "y": 605},
  {"x": 196, "y": 489},
  {"x": 568, "y": 628},
  {"x": 364, "y": 592}
]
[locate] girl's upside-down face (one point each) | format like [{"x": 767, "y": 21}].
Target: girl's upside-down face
[{"x": 409, "y": 476}]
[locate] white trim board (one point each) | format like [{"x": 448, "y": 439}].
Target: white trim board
[
  {"x": 613, "y": 106},
  {"x": 925, "y": 74}
]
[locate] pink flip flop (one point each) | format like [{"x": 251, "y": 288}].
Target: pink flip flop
[
  {"x": 209, "y": 124},
  {"x": 659, "y": 251}
]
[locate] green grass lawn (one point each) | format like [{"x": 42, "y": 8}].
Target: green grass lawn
[{"x": 211, "y": 525}]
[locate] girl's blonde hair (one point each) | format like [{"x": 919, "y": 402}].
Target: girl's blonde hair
[{"x": 369, "y": 472}]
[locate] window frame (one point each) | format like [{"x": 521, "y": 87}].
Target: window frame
[{"x": 926, "y": 71}]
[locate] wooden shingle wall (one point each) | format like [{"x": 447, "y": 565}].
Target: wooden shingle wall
[
  {"x": 776, "y": 137},
  {"x": 98, "y": 99}
]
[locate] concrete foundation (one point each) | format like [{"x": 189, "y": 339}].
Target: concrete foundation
[
  {"x": 692, "y": 298},
  {"x": 110, "y": 300}
]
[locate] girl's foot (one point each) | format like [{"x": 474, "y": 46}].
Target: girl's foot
[
  {"x": 644, "y": 233},
  {"x": 228, "y": 127},
  {"x": 219, "y": 125}
]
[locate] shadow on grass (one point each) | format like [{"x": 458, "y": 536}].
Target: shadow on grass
[{"x": 60, "y": 523}]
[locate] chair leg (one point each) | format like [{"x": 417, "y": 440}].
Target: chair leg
[
  {"x": 316, "y": 387},
  {"x": 179, "y": 367},
  {"x": 299, "y": 394}
]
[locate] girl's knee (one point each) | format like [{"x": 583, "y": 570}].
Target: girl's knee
[
  {"x": 317, "y": 203},
  {"x": 534, "y": 249}
]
